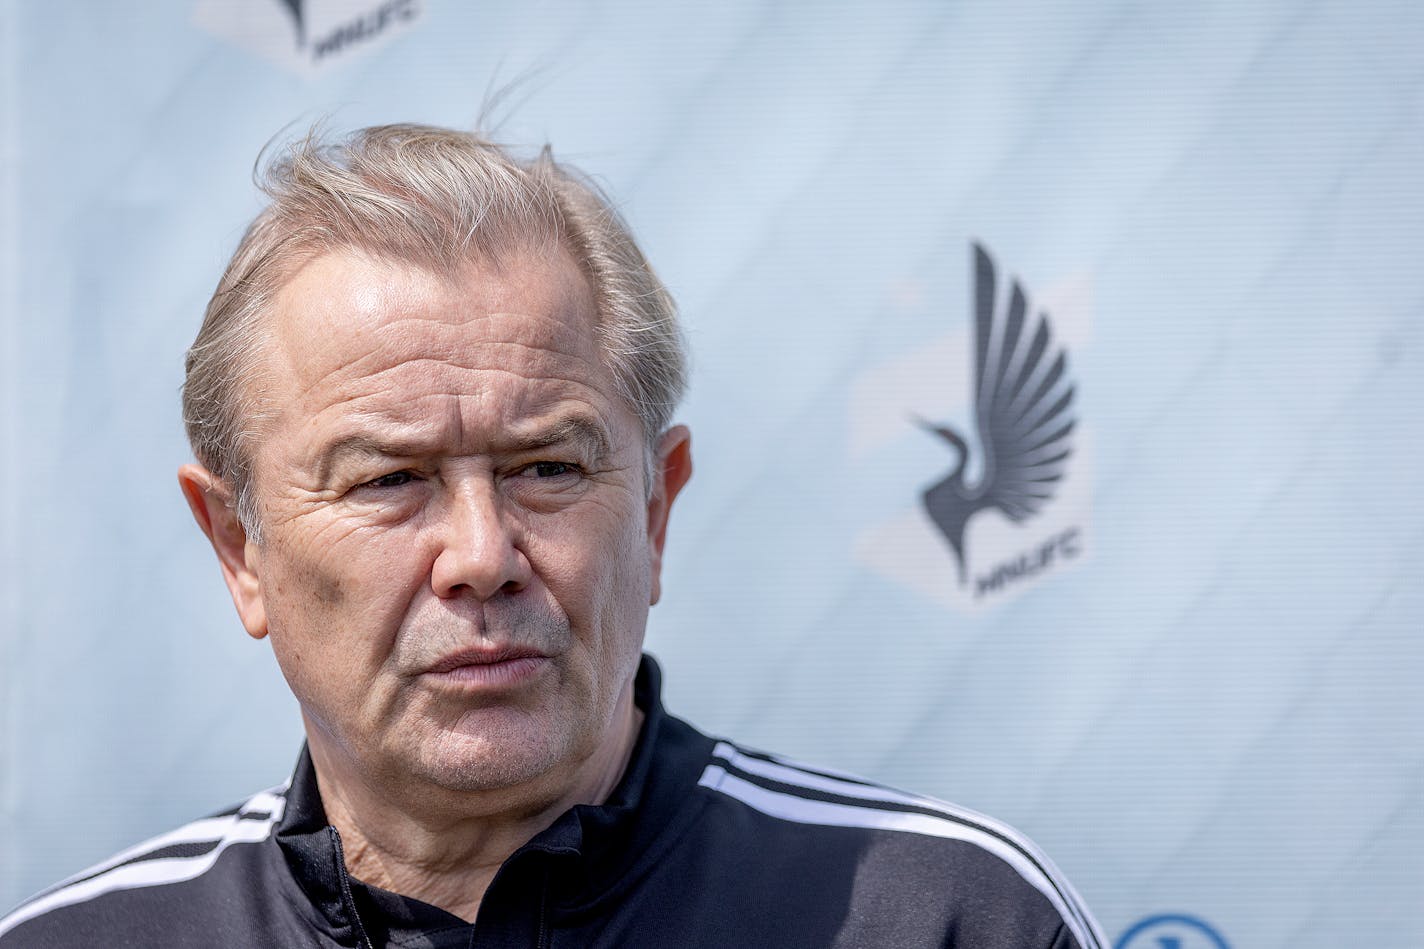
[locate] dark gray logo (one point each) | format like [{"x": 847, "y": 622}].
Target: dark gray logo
[
  {"x": 307, "y": 36},
  {"x": 1022, "y": 412},
  {"x": 368, "y": 23}
]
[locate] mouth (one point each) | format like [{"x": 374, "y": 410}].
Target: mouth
[{"x": 488, "y": 667}]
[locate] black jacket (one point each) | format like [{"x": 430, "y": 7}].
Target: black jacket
[{"x": 702, "y": 844}]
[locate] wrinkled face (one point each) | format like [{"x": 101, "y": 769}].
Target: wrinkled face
[{"x": 458, "y": 548}]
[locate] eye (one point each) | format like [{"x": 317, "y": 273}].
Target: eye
[
  {"x": 393, "y": 480},
  {"x": 551, "y": 469}
]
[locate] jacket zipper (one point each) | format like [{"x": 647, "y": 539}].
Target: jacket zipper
[
  {"x": 346, "y": 897},
  {"x": 543, "y": 942}
]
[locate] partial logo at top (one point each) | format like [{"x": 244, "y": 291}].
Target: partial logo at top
[
  {"x": 307, "y": 36},
  {"x": 1008, "y": 505},
  {"x": 1171, "y": 931}
]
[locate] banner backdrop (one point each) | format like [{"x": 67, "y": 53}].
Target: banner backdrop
[{"x": 1148, "y": 272}]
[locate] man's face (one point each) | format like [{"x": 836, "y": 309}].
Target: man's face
[{"x": 458, "y": 546}]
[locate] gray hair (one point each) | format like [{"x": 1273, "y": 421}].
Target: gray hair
[{"x": 434, "y": 197}]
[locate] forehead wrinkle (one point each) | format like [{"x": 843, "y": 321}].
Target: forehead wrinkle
[
  {"x": 542, "y": 360},
  {"x": 370, "y": 395},
  {"x": 455, "y": 420},
  {"x": 458, "y": 352}
]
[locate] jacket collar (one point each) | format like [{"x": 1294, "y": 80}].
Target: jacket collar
[{"x": 596, "y": 846}]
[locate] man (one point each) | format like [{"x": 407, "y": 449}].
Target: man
[{"x": 430, "y": 403}]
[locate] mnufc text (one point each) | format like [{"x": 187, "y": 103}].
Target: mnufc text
[
  {"x": 1061, "y": 546},
  {"x": 364, "y": 28}
]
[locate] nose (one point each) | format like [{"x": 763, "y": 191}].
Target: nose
[{"x": 479, "y": 554}]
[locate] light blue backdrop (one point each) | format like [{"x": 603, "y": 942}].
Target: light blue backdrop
[{"x": 1213, "y": 710}]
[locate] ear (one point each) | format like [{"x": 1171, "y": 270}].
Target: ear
[
  {"x": 212, "y": 504},
  {"x": 672, "y": 467}
]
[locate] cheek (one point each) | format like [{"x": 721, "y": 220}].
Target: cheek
[
  {"x": 334, "y": 608},
  {"x": 328, "y": 589},
  {"x": 339, "y": 565},
  {"x": 589, "y": 563},
  {"x": 601, "y": 579},
  {"x": 305, "y": 606},
  {"x": 305, "y": 585}
]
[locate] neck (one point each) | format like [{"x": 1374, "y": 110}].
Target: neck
[{"x": 444, "y": 847}]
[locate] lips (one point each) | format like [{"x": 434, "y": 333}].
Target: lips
[{"x": 487, "y": 656}]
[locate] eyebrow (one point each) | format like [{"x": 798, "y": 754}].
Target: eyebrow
[{"x": 577, "y": 430}]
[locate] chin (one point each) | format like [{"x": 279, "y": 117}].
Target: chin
[{"x": 493, "y": 759}]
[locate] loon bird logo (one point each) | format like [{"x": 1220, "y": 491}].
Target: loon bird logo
[{"x": 1022, "y": 402}]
